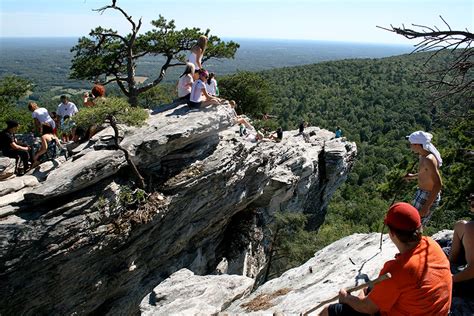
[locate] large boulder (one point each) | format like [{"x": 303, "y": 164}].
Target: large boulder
[
  {"x": 185, "y": 293},
  {"x": 86, "y": 241}
]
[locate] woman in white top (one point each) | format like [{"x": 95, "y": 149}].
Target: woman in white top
[
  {"x": 40, "y": 116},
  {"x": 199, "y": 95},
  {"x": 197, "y": 51},
  {"x": 185, "y": 83},
  {"x": 211, "y": 85}
]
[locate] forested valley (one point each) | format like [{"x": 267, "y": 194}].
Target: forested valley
[{"x": 377, "y": 102}]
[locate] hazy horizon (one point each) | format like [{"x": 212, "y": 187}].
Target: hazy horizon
[{"x": 321, "y": 20}]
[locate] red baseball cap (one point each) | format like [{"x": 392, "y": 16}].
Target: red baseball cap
[{"x": 403, "y": 216}]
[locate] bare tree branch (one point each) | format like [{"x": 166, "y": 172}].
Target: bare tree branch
[{"x": 455, "y": 79}]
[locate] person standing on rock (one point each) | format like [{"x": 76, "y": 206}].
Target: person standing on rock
[
  {"x": 40, "y": 116},
  {"x": 420, "y": 282},
  {"x": 427, "y": 196},
  {"x": 66, "y": 107},
  {"x": 196, "y": 54}
]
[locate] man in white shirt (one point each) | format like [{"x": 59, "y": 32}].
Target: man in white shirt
[{"x": 66, "y": 108}]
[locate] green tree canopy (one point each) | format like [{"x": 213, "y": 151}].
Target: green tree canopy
[
  {"x": 13, "y": 88},
  {"x": 107, "y": 56},
  {"x": 250, "y": 90}
]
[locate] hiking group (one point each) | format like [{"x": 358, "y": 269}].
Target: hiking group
[
  {"x": 198, "y": 88},
  {"x": 424, "y": 278},
  {"x": 32, "y": 151}
]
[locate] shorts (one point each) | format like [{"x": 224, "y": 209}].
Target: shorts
[
  {"x": 420, "y": 199},
  {"x": 343, "y": 309},
  {"x": 194, "y": 105}
]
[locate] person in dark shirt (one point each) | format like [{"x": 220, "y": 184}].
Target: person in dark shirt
[{"x": 10, "y": 147}]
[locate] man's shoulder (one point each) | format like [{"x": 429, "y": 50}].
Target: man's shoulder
[{"x": 430, "y": 159}]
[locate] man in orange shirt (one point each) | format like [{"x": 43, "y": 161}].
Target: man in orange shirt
[{"x": 421, "y": 281}]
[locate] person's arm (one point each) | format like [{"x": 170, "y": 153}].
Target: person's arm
[
  {"x": 15, "y": 146},
  {"x": 360, "y": 303},
  {"x": 206, "y": 95},
  {"x": 433, "y": 171},
  {"x": 410, "y": 176},
  {"x": 42, "y": 150},
  {"x": 468, "y": 245}
]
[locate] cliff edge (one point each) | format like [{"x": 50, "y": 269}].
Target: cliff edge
[{"x": 79, "y": 238}]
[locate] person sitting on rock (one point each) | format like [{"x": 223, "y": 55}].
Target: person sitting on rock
[
  {"x": 239, "y": 119},
  {"x": 462, "y": 256},
  {"x": 185, "y": 83},
  {"x": 97, "y": 93},
  {"x": 49, "y": 145},
  {"x": 302, "y": 126},
  {"x": 338, "y": 132},
  {"x": 199, "y": 95},
  {"x": 11, "y": 148},
  {"x": 40, "y": 116},
  {"x": 420, "y": 282},
  {"x": 211, "y": 85},
  {"x": 277, "y": 136}
]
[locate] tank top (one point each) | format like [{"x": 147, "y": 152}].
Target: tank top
[{"x": 193, "y": 60}]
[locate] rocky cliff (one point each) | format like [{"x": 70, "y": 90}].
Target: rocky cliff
[
  {"x": 78, "y": 238},
  {"x": 348, "y": 262}
]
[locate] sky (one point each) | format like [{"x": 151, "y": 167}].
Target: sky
[{"x": 331, "y": 20}]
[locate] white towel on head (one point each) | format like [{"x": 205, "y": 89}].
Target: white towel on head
[{"x": 424, "y": 139}]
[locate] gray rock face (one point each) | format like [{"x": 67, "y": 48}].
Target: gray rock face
[
  {"x": 7, "y": 167},
  {"x": 85, "y": 241},
  {"x": 184, "y": 293},
  {"x": 16, "y": 184},
  {"x": 348, "y": 262},
  {"x": 344, "y": 263}
]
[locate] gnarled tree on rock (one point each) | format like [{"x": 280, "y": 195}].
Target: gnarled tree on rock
[{"x": 107, "y": 56}]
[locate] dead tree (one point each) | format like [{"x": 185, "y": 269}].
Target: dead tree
[{"x": 458, "y": 78}]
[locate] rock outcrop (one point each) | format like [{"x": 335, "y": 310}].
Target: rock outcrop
[
  {"x": 348, "y": 262},
  {"x": 183, "y": 292},
  {"x": 83, "y": 240}
]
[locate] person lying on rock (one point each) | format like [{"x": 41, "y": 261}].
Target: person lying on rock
[
  {"x": 427, "y": 196},
  {"x": 11, "y": 148},
  {"x": 49, "y": 145},
  {"x": 420, "y": 282},
  {"x": 199, "y": 95},
  {"x": 462, "y": 257}
]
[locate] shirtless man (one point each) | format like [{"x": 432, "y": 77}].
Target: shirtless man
[
  {"x": 427, "y": 196},
  {"x": 462, "y": 255}
]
